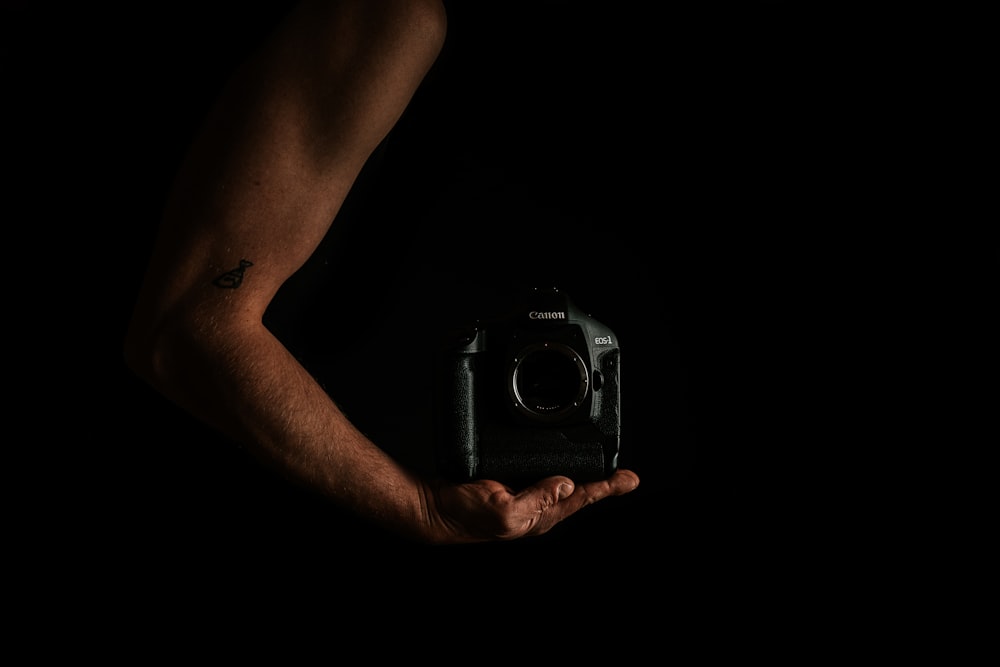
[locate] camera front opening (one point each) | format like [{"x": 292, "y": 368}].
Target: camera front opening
[{"x": 549, "y": 380}]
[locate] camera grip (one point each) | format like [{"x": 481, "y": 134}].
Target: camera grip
[
  {"x": 607, "y": 400},
  {"x": 460, "y": 430}
]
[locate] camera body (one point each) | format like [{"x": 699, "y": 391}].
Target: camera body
[{"x": 532, "y": 393}]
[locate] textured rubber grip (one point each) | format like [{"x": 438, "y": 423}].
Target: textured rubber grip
[{"x": 462, "y": 432}]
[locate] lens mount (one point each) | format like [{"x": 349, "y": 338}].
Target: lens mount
[{"x": 548, "y": 381}]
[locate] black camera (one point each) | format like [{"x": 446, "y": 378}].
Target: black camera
[{"x": 532, "y": 392}]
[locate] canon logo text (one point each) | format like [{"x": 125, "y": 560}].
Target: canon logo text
[{"x": 553, "y": 315}]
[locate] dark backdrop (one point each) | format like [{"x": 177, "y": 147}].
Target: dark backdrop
[{"x": 673, "y": 169}]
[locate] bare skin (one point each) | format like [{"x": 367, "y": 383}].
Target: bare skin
[{"x": 259, "y": 190}]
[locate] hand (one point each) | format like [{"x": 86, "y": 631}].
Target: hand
[{"x": 487, "y": 510}]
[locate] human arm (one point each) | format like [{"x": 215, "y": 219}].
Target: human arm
[{"x": 258, "y": 192}]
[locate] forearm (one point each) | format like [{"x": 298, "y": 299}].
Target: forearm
[{"x": 245, "y": 383}]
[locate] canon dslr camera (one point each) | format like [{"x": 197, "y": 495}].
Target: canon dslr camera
[{"x": 532, "y": 393}]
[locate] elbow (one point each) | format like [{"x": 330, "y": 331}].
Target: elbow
[
  {"x": 156, "y": 347},
  {"x": 141, "y": 351}
]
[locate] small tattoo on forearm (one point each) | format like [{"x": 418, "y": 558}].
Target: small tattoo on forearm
[{"x": 234, "y": 278}]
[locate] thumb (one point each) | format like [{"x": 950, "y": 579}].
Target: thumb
[{"x": 548, "y": 491}]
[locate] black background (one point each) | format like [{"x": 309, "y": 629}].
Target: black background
[{"x": 678, "y": 171}]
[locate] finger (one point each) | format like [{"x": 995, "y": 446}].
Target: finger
[
  {"x": 622, "y": 481},
  {"x": 536, "y": 508},
  {"x": 619, "y": 483},
  {"x": 552, "y": 489},
  {"x": 549, "y": 501}
]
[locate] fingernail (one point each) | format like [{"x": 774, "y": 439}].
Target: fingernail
[{"x": 565, "y": 490}]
